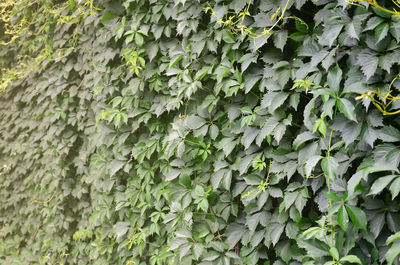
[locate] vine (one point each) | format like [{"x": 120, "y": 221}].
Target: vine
[
  {"x": 23, "y": 27},
  {"x": 374, "y": 3},
  {"x": 235, "y": 21},
  {"x": 386, "y": 99}
]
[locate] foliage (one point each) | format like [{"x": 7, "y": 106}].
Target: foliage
[{"x": 149, "y": 133}]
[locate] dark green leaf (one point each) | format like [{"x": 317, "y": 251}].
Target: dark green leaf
[
  {"x": 347, "y": 108},
  {"x": 343, "y": 218},
  {"x": 357, "y": 216}
]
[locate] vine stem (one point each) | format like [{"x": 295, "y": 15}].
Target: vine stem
[
  {"x": 329, "y": 188},
  {"x": 375, "y": 4},
  {"x": 241, "y": 16},
  {"x": 49, "y": 200}
]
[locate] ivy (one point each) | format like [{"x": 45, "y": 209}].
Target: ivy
[{"x": 154, "y": 132}]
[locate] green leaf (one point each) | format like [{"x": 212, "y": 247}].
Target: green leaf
[
  {"x": 332, "y": 196},
  {"x": 347, "y": 108},
  {"x": 246, "y": 60},
  {"x": 121, "y": 228},
  {"x": 368, "y": 62},
  {"x": 330, "y": 34},
  {"x": 392, "y": 253},
  {"x": 199, "y": 191},
  {"x": 172, "y": 174},
  {"x": 395, "y": 188},
  {"x": 311, "y": 163},
  {"x": 330, "y": 165},
  {"x": 389, "y": 134},
  {"x": 386, "y": 61},
  {"x": 334, "y": 253},
  {"x": 280, "y": 39},
  {"x": 276, "y": 231},
  {"x": 283, "y": 250},
  {"x": 381, "y": 31},
  {"x": 234, "y": 233},
  {"x": 139, "y": 39},
  {"x": 268, "y": 127},
  {"x": 351, "y": 259},
  {"x": 302, "y": 138},
  {"x": 249, "y": 135},
  {"x": 228, "y": 37},
  {"x": 277, "y": 101},
  {"x": 380, "y": 184},
  {"x": 175, "y": 60},
  {"x": 393, "y": 238},
  {"x": 322, "y": 127},
  {"x": 115, "y": 166},
  {"x": 343, "y": 218},
  {"x": 334, "y": 78},
  {"x": 395, "y": 30},
  {"x": 314, "y": 247},
  {"x": 357, "y": 216},
  {"x": 197, "y": 250},
  {"x": 214, "y": 131},
  {"x": 318, "y": 57},
  {"x": 108, "y": 16},
  {"x": 373, "y": 23},
  {"x": 291, "y": 230},
  {"x": 195, "y": 122}
]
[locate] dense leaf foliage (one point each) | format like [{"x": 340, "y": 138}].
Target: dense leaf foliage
[{"x": 165, "y": 137}]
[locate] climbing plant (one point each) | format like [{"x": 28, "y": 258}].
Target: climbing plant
[{"x": 193, "y": 132}]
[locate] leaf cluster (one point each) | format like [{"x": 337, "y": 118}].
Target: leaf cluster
[{"x": 142, "y": 141}]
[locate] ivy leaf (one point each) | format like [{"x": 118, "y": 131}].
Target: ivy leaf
[
  {"x": 280, "y": 39},
  {"x": 389, "y": 134},
  {"x": 395, "y": 188},
  {"x": 354, "y": 27},
  {"x": 320, "y": 126},
  {"x": 380, "y": 184},
  {"x": 381, "y": 31},
  {"x": 334, "y": 78},
  {"x": 311, "y": 163},
  {"x": 386, "y": 61},
  {"x": 347, "y": 108},
  {"x": 228, "y": 37},
  {"x": 121, "y": 228},
  {"x": 332, "y": 196},
  {"x": 108, "y": 16},
  {"x": 373, "y": 23},
  {"x": 343, "y": 218},
  {"x": 314, "y": 247},
  {"x": 291, "y": 230},
  {"x": 172, "y": 174},
  {"x": 330, "y": 166},
  {"x": 195, "y": 122},
  {"x": 234, "y": 233},
  {"x": 276, "y": 231},
  {"x": 395, "y": 30},
  {"x": 334, "y": 253},
  {"x": 302, "y": 138},
  {"x": 351, "y": 259},
  {"x": 330, "y": 34},
  {"x": 249, "y": 135},
  {"x": 392, "y": 253},
  {"x": 116, "y": 165},
  {"x": 247, "y": 59},
  {"x": 393, "y": 238},
  {"x": 318, "y": 57},
  {"x": 368, "y": 62},
  {"x": 268, "y": 127},
  {"x": 357, "y": 216},
  {"x": 197, "y": 250}
]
